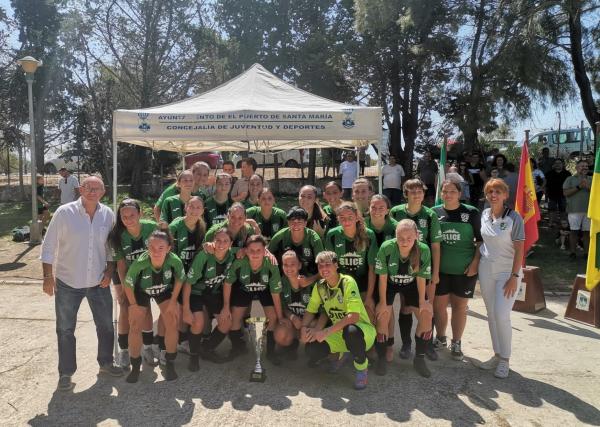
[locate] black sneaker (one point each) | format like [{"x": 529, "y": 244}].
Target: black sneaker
[
  {"x": 133, "y": 376},
  {"x": 381, "y": 366},
  {"x": 456, "y": 351},
  {"x": 430, "y": 351},
  {"x": 194, "y": 363},
  {"x": 112, "y": 370},
  {"x": 421, "y": 366},
  {"x": 440, "y": 343},
  {"x": 405, "y": 351},
  {"x": 65, "y": 383},
  {"x": 170, "y": 373},
  {"x": 212, "y": 356}
]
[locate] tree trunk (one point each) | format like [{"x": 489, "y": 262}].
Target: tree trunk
[
  {"x": 312, "y": 165},
  {"x": 583, "y": 82}
]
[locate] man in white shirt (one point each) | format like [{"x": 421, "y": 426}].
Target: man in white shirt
[
  {"x": 76, "y": 246},
  {"x": 68, "y": 186},
  {"x": 239, "y": 192},
  {"x": 392, "y": 174},
  {"x": 349, "y": 173}
]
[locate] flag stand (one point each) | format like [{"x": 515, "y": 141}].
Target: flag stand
[
  {"x": 530, "y": 298},
  {"x": 584, "y": 305}
]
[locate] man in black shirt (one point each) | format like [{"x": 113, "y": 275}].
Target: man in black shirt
[{"x": 554, "y": 190}]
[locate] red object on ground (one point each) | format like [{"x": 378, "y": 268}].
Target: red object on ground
[{"x": 213, "y": 158}]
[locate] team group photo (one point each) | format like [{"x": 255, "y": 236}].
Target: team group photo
[{"x": 261, "y": 213}]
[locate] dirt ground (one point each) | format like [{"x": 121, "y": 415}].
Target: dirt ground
[
  {"x": 555, "y": 381},
  {"x": 19, "y": 261}
]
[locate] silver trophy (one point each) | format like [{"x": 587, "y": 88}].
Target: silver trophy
[{"x": 256, "y": 330}]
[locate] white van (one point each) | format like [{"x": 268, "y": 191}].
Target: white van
[{"x": 285, "y": 158}]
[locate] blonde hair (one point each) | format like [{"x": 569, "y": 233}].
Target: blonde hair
[
  {"x": 414, "y": 255},
  {"x": 495, "y": 184},
  {"x": 326, "y": 256},
  {"x": 361, "y": 240}
]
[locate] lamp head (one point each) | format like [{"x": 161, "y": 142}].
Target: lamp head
[{"x": 29, "y": 64}]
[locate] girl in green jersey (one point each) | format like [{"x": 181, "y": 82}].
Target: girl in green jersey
[
  {"x": 128, "y": 240},
  {"x": 308, "y": 199},
  {"x": 379, "y": 220},
  {"x": 157, "y": 274},
  {"x": 188, "y": 231},
  {"x": 255, "y": 185},
  {"x": 269, "y": 218},
  {"x": 333, "y": 195},
  {"x": 362, "y": 190},
  {"x": 173, "y": 206}
]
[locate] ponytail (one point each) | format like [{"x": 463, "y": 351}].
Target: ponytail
[
  {"x": 200, "y": 226},
  {"x": 114, "y": 237},
  {"x": 361, "y": 240},
  {"x": 414, "y": 256}
]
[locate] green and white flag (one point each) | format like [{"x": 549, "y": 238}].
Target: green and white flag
[{"x": 441, "y": 173}]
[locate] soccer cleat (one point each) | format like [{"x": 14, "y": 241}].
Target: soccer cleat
[
  {"x": 112, "y": 370},
  {"x": 440, "y": 343},
  {"x": 421, "y": 366},
  {"x": 194, "y": 363},
  {"x": 430, "y": 351},
  {"x": 148, "y": 355},
  {"x": 502, "y": 369},
  {"x": 124, "y": 359},
  {"x": 456, "y": 351},
  {"x": 360, "y": 381},
  {"x": 405, "y": 351},
  {"x": 170, "y": 373}
]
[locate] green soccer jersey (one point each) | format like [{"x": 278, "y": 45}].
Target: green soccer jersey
[
  {"x": 386, "y": 233},
  {"x": 265, "y": 278},
  {"x": 295, "y": 300},
  {"x": 131, "y": 247},
  {"x": 173, "y": 190},
  {"x": 184, "y": 241},
  {"x": 238, "y": 240},
  {"x": 306, "y": 250},
  {"x": 461, "y": 228},
  {"x": 145, "y": 278},
  {"x": 333, "y": 222},
  {"x": 268, "y": 227},
  {"x": 215, "y": 212},
  {"x": 172, "y": 208},
  {"x": 426, "y": 220},
  {"x": 207, "y": 274},
  {"x": 351, "y": 261},
  {"x": 338, "y": 301},
  {"x": 398, "y": 270}
]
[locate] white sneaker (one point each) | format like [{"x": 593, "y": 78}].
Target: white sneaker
[
  {"x": 184, "y": 347},
  {"x": 162, "y": 358},
  {"x": 489, "y": 364},
  {"x": 502, "y": 369},
  {"x": 124, "y": 359},
  {"x": 148, "y": 355}
]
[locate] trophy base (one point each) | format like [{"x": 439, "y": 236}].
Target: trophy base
[{"x": 258, "y": 377}]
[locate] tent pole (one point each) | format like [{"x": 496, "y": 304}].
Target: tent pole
[
  {"x": 114, "y": 171},
  {"x": 379, "y": 178},
  {"x": 357, "y": 155}
]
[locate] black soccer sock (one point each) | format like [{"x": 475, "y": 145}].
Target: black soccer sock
[
  {"x": 123, "y": 340},
  {"x": 147, "y": 337},
  {"x": 161, "y": 342},
  {"x": 420, "y": 346},
  {"x": 195, "y": 343},
  {"x": 236, "y": 338},
  {"x": 183, "y": 336},
  {"x": 405, "y": 322},
  {"x": 294, "y": 345},
  {"x": 133, "y": 376},
  {"x": 390, "y": 342},
  {"x": 381, "y": 348},
  {"x": 316, "y": 351},
  {"x": 171, "y": 357},
  {"x": 213, "y": 340},
  {"x": 355, "y": 342}
]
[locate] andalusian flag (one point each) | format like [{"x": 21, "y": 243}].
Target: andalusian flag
[
  {"x": 441, "y": 173},
  {"x": 592, "y": 274},
  {"x": 526, "y": 201}
]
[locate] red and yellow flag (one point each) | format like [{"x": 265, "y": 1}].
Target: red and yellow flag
[
  {"x": 592, "y": 273},
  {"x": 526, "y": 203}
]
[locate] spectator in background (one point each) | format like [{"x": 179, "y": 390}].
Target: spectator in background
[
  {"x": 349, "y": 173},
  {"x": 362, "y": 160},
  {"x": 491, "y": 158},
  {"x": 576, "y": 189},
  {"x": 511, "y": 179},
  {"x": 557, "y": 202},
  {"x": 477, "y": 170},
  {"x": 539, "y": 180},
  {"x": 546, "y": 163},
  {"x": 427, "y": 170},
  {"x": 42, "y": 204},
  {"x": 465, "y": 196},
  {"x": 239, "y": 191},
  {"x": 392, "y": 181},
  {"x": 499, "y": 162},
  {"x": 68, "y": 186}
]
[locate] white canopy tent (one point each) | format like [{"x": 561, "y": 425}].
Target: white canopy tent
[{"x": 255, "y": 110}]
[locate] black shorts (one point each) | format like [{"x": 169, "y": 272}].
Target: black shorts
[
  {"x": 410, "y": 293},
  {"x": 196, "y": 303},
  {"x": 213, "y": 303},
  {"x": 390, "y": 294},
  {"x": 241, "y": 298},
  {"x": 143, "y": 299},
  {"x": 458, "y": 284},
  {"x": 362, "y": 282}
]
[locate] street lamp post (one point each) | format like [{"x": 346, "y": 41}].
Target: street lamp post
[{"x": 30, "y": 65}]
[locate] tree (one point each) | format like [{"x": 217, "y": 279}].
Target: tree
[
  {"x": 498, "y": 75},
  {"x": 407, "y": 49},
  {"x": 156, "y": 52}
]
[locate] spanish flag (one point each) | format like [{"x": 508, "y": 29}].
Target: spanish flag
[
  {"x": 592, "y": 273},
  {"x": 526, "y": 202}
]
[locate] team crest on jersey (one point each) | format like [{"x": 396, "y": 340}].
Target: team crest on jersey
[
  {"x": 306, "y": 298},
  {"x": 167, "y": 275},
  {"x": 190, "y": 272},
  {"x": 265, "y": 278},
  {"x": 340, "y": 298},
  {"x": 503, "y": 226},
  {"x": 275, "y": 227},
  {"x": 307, "y": 252},
  {"x": 464, "y": 217},
  {"x": 422, "y": 223}
]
